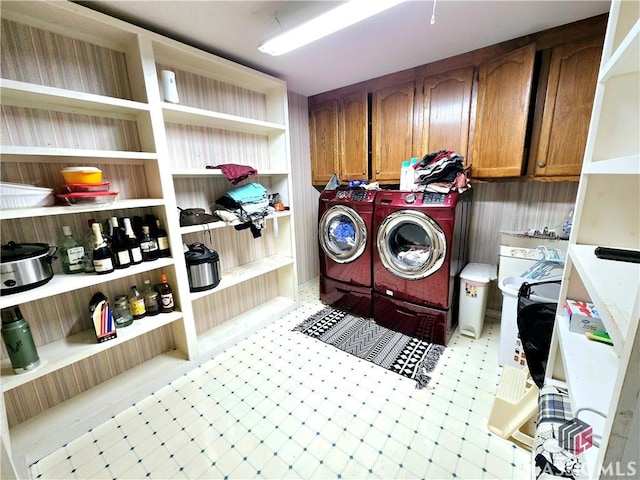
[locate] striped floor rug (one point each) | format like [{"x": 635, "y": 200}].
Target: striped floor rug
[{"x": 365, "y": 339}]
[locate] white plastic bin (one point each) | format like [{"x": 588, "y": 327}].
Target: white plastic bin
[
  {"x": 474, "y": 279},
  {"x": 510, "y": 352}
]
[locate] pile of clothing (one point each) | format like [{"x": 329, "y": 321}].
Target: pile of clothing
[
  {"x": 442, "y": 172},
  {"x": 247, "y": 204}
]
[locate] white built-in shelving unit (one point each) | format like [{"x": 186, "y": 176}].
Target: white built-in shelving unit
[
  {"x": 598, "y": 376},
  {"x": 82, "y": 88}
]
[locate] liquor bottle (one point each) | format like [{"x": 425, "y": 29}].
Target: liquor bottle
[
  {"x": 151, "y": 299},
  {"x": 163, "y": 241},
  {"x": 148, "y": 245},
  {"x": 71, "y": 252},
  {"x": 166, "y": 295},
  {"x": 134, "y": 245},
  {"x": 136, "y": 302},
  {"x": 88, "y": 248},
  {"x": 119, "y": 245},
  {"x": 102, "y": 256}
]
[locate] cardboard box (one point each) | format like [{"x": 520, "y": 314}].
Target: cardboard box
[{"x": 583, "y": 317}]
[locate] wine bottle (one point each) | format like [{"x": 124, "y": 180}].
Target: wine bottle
[
  {"x": 166, "y": 295},
  {"x": 134, "y": 245},
  {"x": 71, "y": 252},
  {"x": 151, "y": 299},
  {"x": 102, "y": 256},
  {"x": 119, "y": 245},
  {"x": 136, "y": 302},
  {"x": 163, "y": 241},
  {"x": 88, "y": 248},
  {"x": 148, "y": 245}
]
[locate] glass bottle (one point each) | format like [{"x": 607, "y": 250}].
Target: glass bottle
[
  {"x": 148, "y": 245},
  {"x": 122, "y": 312},
  {"x": 102, "y": 255},
  {"x": 136, "y": 303},
  {"x": 88, "y": 248},
  {"x": 166, "y": 295},
  {"x": 134, "y": 245},
  {"x": 163, "y": 241},
  {"x": 151, "y": 299},
  {"x": 119, "y": 245},
  {"x": 71, "y": 252}
]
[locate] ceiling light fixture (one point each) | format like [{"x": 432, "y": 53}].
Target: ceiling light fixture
[{"x": 346, "y": 14}]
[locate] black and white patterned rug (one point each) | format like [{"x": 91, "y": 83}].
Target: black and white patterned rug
[{"x": 363, "y": 338}]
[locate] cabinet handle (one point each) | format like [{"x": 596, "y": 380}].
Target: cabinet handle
[
  {"x": 364, "y": 173},
  {"x": 377, "y": 172},
  {"x": 542, "y": 164}
]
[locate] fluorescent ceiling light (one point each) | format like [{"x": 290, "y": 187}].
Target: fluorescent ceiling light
[{"x": 346, "y": 14}]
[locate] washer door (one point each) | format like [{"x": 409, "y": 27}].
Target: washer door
[
  {"x": 411, "y": 244},
  {"x": 342, "y": 233}
]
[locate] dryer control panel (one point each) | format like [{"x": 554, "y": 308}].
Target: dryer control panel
[{"x": 433, "y": 198}]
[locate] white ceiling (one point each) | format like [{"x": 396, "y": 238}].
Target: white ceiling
[{"x": 397, "y": 39}]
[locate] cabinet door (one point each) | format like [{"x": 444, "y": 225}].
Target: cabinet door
[
  {"x": 323, "y": 134},
  {"x": 392, "y": 125},
  {"x": 504, "y": 91},
  {"x": 573, "y": 74},
  {"x": 447, "y": 103},
  {"x": 353, "y": 127}
]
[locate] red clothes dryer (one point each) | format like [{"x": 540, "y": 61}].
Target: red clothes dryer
[
  {"x": 420, "y": 250},
  {"x": 345, "y": 235}
]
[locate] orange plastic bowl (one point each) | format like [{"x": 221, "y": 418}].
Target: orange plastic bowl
[{"x": 83, "y": 175}]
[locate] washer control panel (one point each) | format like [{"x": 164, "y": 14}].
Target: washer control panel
[{"x": 434, "y": 198}]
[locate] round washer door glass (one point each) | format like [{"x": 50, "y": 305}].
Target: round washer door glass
[
  {"x": 411, "y": 244},
  {"x": 342, "y": 233}
]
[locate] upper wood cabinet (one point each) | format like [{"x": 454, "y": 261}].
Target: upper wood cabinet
[
  {"x": 339, "y": 138},
  {"x": 447, "y": 104},
  {"x": 392, "y": 131},
  {"x": 504, "y": 92},
  {"x": 558, "y": 148},
  {"x": 353, "y": 137},
  {"x": 323, "y": 135}
]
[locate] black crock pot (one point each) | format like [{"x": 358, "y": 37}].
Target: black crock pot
[{"x": 203, "y": 267}]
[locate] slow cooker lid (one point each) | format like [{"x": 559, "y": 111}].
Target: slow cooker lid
[
  {"x": 199, "y": 253},
  {"x": 12, "y": 251}
]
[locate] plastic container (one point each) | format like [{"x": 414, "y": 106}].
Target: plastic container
[
  {"x": 18, "y": 195},
  {"x": 510, "y": 351},
  {"x": 86, "y": 187},
  {"x": 91, "y": 175},
  {"x": 83, "y": 199},
  {"x": 474, "y": 279}
]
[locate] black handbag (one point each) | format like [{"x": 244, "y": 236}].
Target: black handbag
[{"x": 195, "y": 216}]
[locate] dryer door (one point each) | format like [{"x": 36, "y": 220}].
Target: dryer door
[
  {"x": 411, "y": 244},
  {"x": 342, "y": 233}
]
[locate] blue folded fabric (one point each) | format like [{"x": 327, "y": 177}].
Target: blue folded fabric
[{"x": 251, "y": 192}]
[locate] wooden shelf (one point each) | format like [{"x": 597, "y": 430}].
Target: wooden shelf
[
  {"x": 626, "y": 58},
  {"x": 204, "y": 118},
  {"x": 243, "y": 273},
  {"x": 240, "y": 327},
  {"x": 608, "y": 285},
  {"x": 6, "y": 214},
  {"x": 215, "y": 172},
  {"x": 221, "y": 224},
  {"x": 67, "y": 421},
  {"x": 73, "y": 155},
  {"x": 614, "y": 166},
  {"x": 29, "y": 95},
  {"x": 61, "y": 283},
  {"x": 591, "y": 369},
  {"x": 57, "y": 355}
]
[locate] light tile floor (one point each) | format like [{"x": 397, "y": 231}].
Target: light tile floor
[{"x": 283, "y": 405}]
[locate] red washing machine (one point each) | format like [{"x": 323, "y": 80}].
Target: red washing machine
[
  {"x": 420, "y": 250},
  {"x": 345, "y": 234}
]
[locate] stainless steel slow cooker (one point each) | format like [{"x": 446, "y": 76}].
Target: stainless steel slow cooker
[
  {"x": 203, "y": 267},
  {"x": 24, "y": 266}
]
